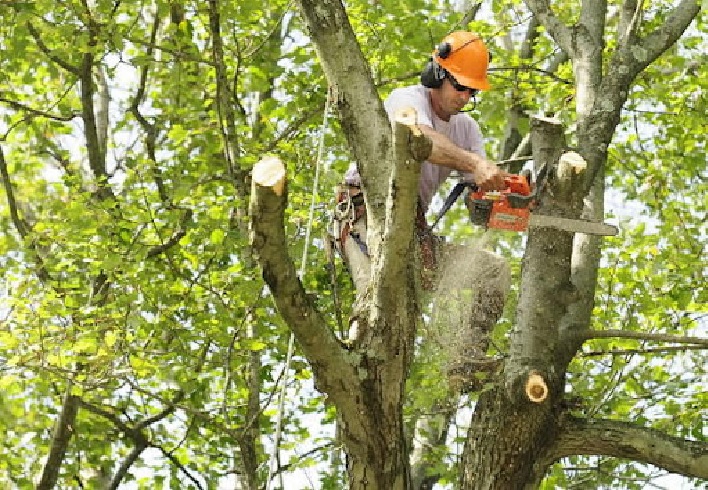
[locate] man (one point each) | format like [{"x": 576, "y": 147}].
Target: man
[{"x": 456, "y": 72}]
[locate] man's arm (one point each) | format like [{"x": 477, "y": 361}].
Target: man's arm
[{"x": 446, "y": 153}]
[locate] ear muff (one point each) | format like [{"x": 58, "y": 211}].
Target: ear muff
[
  {"x": 432, "y": 75},
  {"x": 444, "y": 50}
]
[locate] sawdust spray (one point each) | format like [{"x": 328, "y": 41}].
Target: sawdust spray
[{"x": 472, "y": 285}]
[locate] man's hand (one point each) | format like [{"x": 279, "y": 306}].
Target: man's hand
[{"x": 489, "y": 177}]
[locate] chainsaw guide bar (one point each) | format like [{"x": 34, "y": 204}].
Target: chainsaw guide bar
[
  {"x": 515, "y": 208},
  {"x": 572, "y": 225}
]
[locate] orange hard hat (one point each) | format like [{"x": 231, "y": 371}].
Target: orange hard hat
[{"x": 464, "y": 55}]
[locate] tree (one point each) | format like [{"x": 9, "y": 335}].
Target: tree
[
  {"x": 514, "y": 435},
  {"x": 139, "y": 344}
]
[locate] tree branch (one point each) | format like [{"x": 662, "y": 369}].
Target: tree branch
[
  {"x": 411, "y": 147},
  {"x": 175, "y": 238},
  {"x": 546, "y": 279},
  {"x": 20, "y": 224},
  {"x": 650, "y": 350},
  {"x": 364, "y": 121},
  {"x": 22, "y": 227},
  {"x": 126, "y": 464},
  {"x": 270, "y": 245},
  {"x": 561, "y": 33},
  {"x": 56, "y": 59},
  {"x": 135, "y": 433},
  {"x": 170, "y": 408},
  {"x": 102, "y": 412},
  {"x": 654, "y": 45},
  {"x": 180, "y": 466},
  {"x": 96, "y": 157},
  {"x": 63, "y": 430},
  {"x": 626, "y": 334},
  {"x": 148, "y": 127},
  {"x": 37, "y": 112},
  {"x": 629, "y": 441},
  {"x": 225, "y": 107}
]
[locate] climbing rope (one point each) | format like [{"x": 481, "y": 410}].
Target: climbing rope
[{"x": 301, "y": 273}]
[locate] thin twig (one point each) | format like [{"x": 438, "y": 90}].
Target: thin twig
[
  {"x": 648, "y": 350},
  {"x": 37, "y": 112},
  {"x": 56, "y": 59},
  {"x": 626, "y": 334}
]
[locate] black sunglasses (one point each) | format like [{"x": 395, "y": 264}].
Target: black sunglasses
[{"x": 461, "y": 88}]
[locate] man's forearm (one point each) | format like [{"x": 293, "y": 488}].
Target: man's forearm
[
  {"x": 448, "y": 154},
  {"x": 487, "y": 176}
]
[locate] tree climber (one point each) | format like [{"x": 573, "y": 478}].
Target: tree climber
[{"x": 456, "y": 72}]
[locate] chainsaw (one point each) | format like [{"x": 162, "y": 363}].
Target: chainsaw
[{"x": 516, "y": 208}]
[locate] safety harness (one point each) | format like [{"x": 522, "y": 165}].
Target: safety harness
[{"x": 349, "y": 209}]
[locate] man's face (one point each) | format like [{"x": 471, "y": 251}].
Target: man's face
[{"x": 450, "y": 98}]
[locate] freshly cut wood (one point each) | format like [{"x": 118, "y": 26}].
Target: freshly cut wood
[
  {"x": 536, "y": 389},
  {"x": 408, "y": 117},
  {"x": 270, "y": 172},
  {"x": 571, "y": 161}
]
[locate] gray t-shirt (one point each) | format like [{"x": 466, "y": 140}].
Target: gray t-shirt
[{"x": 461, "y": 129}]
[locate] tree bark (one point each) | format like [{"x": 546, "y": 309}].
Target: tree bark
[
  {"x": 63, "y": 430},
  {"x": 516, "y": 420},
  {"x": 627, "y": 440},
  {"x": 366, "y": 383}
]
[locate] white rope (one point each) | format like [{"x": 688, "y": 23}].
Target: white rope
[{"x": 291, "y": 342}]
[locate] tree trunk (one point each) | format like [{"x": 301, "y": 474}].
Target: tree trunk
[
  {"x": 516, "y": 421},
  {"x": 502, "y": 444}
]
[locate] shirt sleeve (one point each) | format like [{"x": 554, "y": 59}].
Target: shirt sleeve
[{"x": 410, "y": 97}]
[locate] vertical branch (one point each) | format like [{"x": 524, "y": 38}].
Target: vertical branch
[
  {"x": 20, "y": 224},
  {"x": 126, "y": 464},
  {"x": 224, "y": 107},
  {"x": 516, "y": 112},
  {"x": 63, "y": 430},
  {"x": 431, "y": 431},
  {"x": 148, "y": 127},
  {"x": 545, "y": 283},
  {"x": 248, "y": 442},
  {"x": 96, "y": 155},
  {"x": 102, "y": 112}
]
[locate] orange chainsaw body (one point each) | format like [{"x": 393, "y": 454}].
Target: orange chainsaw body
[{"x": 504, "y": 210}]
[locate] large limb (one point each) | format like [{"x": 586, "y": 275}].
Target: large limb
[
  {"x": 363, "y": 119},
  {"x": 560, "y": 32},
  {"x": 546, "y": 284},
  {"x": 366, "y": 385},
  {"x": 628, "y": 441},
  {"x": 337, "y": 371},
  {"x": 270, "y": 245}
]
